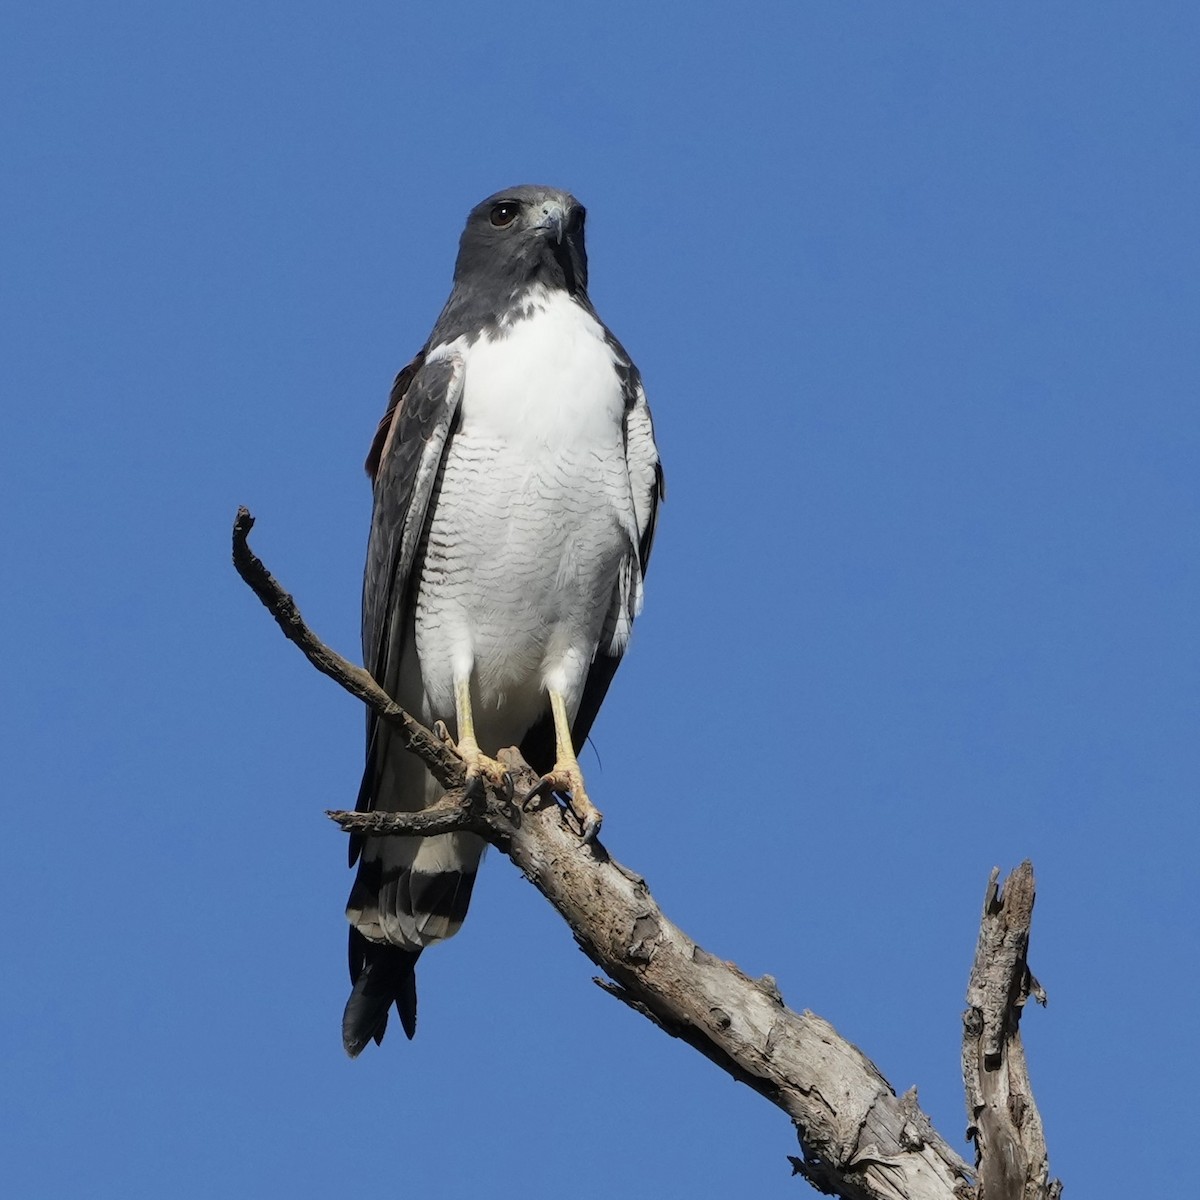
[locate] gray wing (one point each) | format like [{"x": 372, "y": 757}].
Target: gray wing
[
  {"x": 408, "y": 453},
  {"x": 646, "y": 481},
  {"x": 404, "y": 461},
  {"x": 645, "y": 471}
]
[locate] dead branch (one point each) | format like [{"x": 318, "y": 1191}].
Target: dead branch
[
  {"x": 445, "y": 766},
  {"x": 1010, "y": 1148},
  {"x": 858, "y": 1138}
]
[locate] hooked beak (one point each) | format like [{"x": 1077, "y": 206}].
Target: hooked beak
[{"x": 554, "y": 221}]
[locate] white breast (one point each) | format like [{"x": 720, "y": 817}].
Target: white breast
[
  {"x": 546, "y": 381},
  {"x": 533, "y": 532}
]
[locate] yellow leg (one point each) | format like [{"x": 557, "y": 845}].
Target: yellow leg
[
  {"x": 566, "y": 776},
  {"x": 478, "y": 764}
]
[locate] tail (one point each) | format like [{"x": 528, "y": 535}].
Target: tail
[
  {"x": 382, "y": 976},
  {"x": 409, "y": 893}
]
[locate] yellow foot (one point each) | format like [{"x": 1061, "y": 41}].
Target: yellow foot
[
  {"x": 567, "y": 780},
  {"x": 480, "y": 767}
]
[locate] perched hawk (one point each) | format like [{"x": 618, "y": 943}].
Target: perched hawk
[{"x": 516, "y": 487}]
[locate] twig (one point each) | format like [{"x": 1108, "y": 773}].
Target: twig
[
  {"x": 1004, "y": 1122},
  {"x": 445, "y": 766},
  {"x": 453, "y": 813}
]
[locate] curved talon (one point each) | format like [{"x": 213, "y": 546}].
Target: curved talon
[
  {"x": 568, "y": 782},
  {"x": 481, "y": 769},
  {"x": 501, "y": 780},
  {"x": 539, "y": 789}
]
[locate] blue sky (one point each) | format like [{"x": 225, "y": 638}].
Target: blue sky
[{"x": 914, "y": 292}]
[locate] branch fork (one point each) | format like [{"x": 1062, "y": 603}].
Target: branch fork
[{"x": 859, "y": 1140}]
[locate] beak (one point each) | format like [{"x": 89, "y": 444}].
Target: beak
[{"x": 554, "y": 221}]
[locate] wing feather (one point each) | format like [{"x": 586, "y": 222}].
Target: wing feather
[
  {"x": 645, "y": 472},
  {"x": 412, "y": 440},
  {"x": 381, "y": 442}
]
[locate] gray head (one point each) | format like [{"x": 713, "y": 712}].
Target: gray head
[{"x": 524, "y": 235}]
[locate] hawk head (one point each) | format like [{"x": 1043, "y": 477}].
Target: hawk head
[{"x": 524, "y": 235}]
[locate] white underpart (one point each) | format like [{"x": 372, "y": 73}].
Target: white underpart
[
  {"x": 530, "y": 565},
  {"x": 532, "y": 544}
]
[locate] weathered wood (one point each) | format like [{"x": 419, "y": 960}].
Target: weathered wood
[
  {"x": 859, "y": 1139},
  {"x": 1010, "y": 1146}
]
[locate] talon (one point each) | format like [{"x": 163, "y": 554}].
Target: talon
[
  {"x": 481, "y": 769},
  {"x": 568, "y": 781},
  {"x": 539, "y": 789}
]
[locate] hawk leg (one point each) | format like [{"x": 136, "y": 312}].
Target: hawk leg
[
  {"x": 566, "y": 777},
  {"x": 479, "y": 765}
]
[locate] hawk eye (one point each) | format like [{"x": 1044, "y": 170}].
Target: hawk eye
[{"x": 504, "y": 213}]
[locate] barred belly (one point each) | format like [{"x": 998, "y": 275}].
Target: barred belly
[{"x": 522, "y": 564}]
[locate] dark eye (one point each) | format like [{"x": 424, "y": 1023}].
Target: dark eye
[{"x": 504, "y": 213}]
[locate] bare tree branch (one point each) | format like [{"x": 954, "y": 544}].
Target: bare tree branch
[
  {"x": 445, "y": 766},
  {"x": 859, "y": 1140},
  {"x": 1004, "y": 1122}
]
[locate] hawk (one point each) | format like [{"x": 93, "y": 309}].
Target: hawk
[{"x": 516, "y": 486}]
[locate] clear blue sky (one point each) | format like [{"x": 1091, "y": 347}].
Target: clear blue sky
[{"x": 914, "y": 292}]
